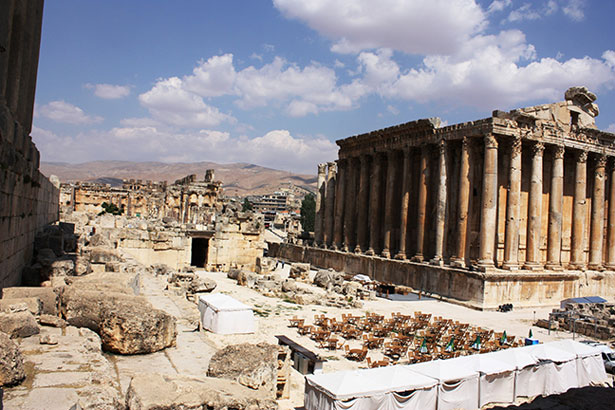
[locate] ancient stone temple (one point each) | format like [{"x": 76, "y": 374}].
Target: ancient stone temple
[{"x": 517, "y": 207}]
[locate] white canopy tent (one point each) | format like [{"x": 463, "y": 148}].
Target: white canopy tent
[
  {"x": 560, "y": 367},
  {"x": 458, "y": 384},
  {"x": 529, "y": 378},
  {"x": 386, "y": 388},
  {"x": 590, "y": 367},
  {"x": 497, "y": 378},
  {"x": 223, "y": 314}
]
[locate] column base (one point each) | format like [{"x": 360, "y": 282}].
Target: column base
[
  {"x": 334, "y": 247},
  {"x": 357, "y": 249},
  {"x": 418, "y": 258},
  {"x": 577, "y": 266},
  {"x": 345, "y": 248},
  {"x": 596, "y": 266},
  {"x": 554, "y": 266},
  {"x": 437, "y": 261},
  {"x": 485, "y": 265},
  {"x": 401, "y": 256},
  {"x": 458, "y": 263},
  {"x": 510, "y": 266},
  {"x": 385, "y": 253},
  {"x": 370, "y": 252},
  {"x": 609, "y": 266},
  {"x": 532, "y": 266}
]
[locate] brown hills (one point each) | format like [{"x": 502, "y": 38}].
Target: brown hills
[{"x": 237, "y": 179}]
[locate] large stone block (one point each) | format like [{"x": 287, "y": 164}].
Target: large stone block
[
  {"x": 18, "y": 324},
  {"x": 47, "y": 296},
  {"x": 33, "y": 305},
  {"x": 11, "y": 362}
]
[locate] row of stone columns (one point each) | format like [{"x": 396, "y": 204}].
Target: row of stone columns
[{"x": 363, "y": 222}]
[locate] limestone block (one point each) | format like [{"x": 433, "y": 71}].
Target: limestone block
[
  {"x": 47, "y": 296},
  {"x": 103, "y": 255},
  {"x": 33, "y": 305},
  {"x": 299, "y": 270},
  {"x": 11, "y": 362},
  {"x": 18, "y": 324},
  {"x": 62, "y": 267},
  {"x": 106, "y": 221}
]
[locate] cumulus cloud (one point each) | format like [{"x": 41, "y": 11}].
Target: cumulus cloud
[
  {"x": 574, "y": 9},
  {"x": 61, "y": 111},
  {"x": 109, "y": 91}
]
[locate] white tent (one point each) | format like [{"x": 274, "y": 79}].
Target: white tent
[
  {"x": 497, "y": 378},
  {"x": 559, "y": 365},
  {"x": 530, "y": 379},
  {"x": 458, "y": 384},
  {"x": 223, "y": 314},
  {"x": 590, "y": 367},
  {"x": 386, "y": 388}
]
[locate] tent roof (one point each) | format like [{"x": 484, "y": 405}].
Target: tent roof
[
  {"x": 368, "y": 382},
  {"x": 482, "y": 363},
  {"x": 516, "y": 356},
  {"x": 579, "y": 349},
  {"x": 444, "y": 370},
  {"x": 548, "y": 351},
  {"x": 221, "y": 302}
]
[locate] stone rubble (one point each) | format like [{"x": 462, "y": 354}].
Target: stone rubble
[{"x": 11, "y": 362}]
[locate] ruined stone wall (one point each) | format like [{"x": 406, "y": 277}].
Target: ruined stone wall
[
  {"x": 28, "y": 200},
  {"x": 237, "y": 242}
]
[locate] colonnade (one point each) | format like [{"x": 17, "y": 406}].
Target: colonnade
[{"x": 442, "y": 202}]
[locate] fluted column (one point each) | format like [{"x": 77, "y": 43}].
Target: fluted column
[
  {"x": 579, "y": 213},
  {"x": 405, "y": 200},
  {"x": 388, "y": 204},
  {"x": 556, "y": 197},
  {"x": 513, "y": 208},
  {"x": 488, "y": 218},
  {"x": 374, "y": 206},
  {"x": 440, "y": 205},
  {"x": 463, "y": 202},
  {"x": 350, "y": 204},
  {"x": 329, "y": 204},
  {"x": 320, "y": 204},
  {"x": 534, "y": 210},
  {"x": 597, "y": 217},
  {"x": 363, "y": 197},
  {"x": 422, "y": 205},
  {"x": 610, "y": 252},
  {"x": 340, "y": 189}
]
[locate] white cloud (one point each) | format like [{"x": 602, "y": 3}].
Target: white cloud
[
  {"x": 61, "y": 111},
  {"x": 574, "y": 9},
  {"x": 525, "y": 12},
  {"x": 611, "y": 128},
  {"x": 212, "y": 78},
  {"x": 498, "y": 5},
  {"x": 109, "y": 91},
  {"x": 418, "y": 27}
]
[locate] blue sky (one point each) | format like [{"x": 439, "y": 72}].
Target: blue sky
[{"x": 275, "y": 83}]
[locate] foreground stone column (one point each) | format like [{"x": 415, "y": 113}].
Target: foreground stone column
[
  {"x": 440, "y": 205},
  {"x": 534, "y": 210},
  {"x": 513, "y": 208},
  {"x": 320, "y": 204},
  {"x": 610, "y": 252},
  {"x": 374, "y": 206},
  {"x": 554, "y": 240},
  {"x": 463, "y": 202},
  {"x": 350, "y": 204},
  {"x": 422, "y": 205},
  {"x": 405, "y": 200},
  {"x": 597, "y": 217},
  {"x": 340, "y": 190},
  {"x": 388, "y": 204},
  {"x": 577, "y": 256},
  {"x": 488, "y": 215},
  {"x": 363, "y": 197},
  {"x": 330, "y": 204}
]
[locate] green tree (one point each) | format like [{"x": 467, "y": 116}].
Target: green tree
[
  {"x": 247, "y": 205},
  {"x": 308, "y": 213},
  {"x": 111, "y": 209}
]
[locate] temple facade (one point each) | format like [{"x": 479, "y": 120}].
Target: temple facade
[{"x": 522, "y": 196}]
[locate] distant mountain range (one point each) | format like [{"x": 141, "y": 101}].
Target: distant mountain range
[{"x": 237, "y": 179}]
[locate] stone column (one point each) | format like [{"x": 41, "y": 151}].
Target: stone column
[
  {"x": 463, "y": 202},
  {"x": 554, "y": 240},
  {"x": 388, "y": 204},
  {"x": 440, "y": 205},
  {"x": 597, "y": 221},
  {"x": 405, "y": 200},
  {"x": 340, "y": 189},
  {"x": 488, "y": 217},
  {"x": 577, "y": 256},
  {"x": 320, "y": 204},
  {"x": 363, "y": 197},
  {"x": 422, "y": 204},
  {"x": 350, "y": 204},
  {"x": 610, "y": 252},
  {"x": 513, "y": 208},
  {"x": 534, "y": 210},
  {"x": 6, "y": 24},
  {"x": 329, "y": 204},
  {"x": 374, "y": 206}
]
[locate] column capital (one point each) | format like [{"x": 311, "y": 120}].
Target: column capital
[
  {"x": 582, "y": 156},
  {"x": 490, "y": 141},
  {"x": 442, "y": 146},
  {"x": 538, "y": 149},
  {"x": 516, "y": 145},
  {"x": 332, "y": 169},
  {"x": 601, "y": 161},
  {"x": 559, "y": 152},
  {"x": 322, "y": 169}
]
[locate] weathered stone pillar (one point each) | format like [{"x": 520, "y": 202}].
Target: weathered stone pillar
[
  {"x": 363, "y": 197},
  {"x": 488, "y": 217},
  {"x": 388, "y": 204},
  {"x": 6, "y": 25},
  {"x": 597, "y": 221},
  {"x": 463, "y": 202},
  {"x": 440, "y": 205},
  {"x": 374, "y": 206},
  {"x": 350, "y": 204},
  {"x": 405, "y": 200},
  {"x": 534, "y": 210},
  {"x": 340, "y": 189},
  {"x": 320, "y": 204},
  {"x": 554, "y": 240},
  {"x": 579, "y": 213},
  {"x": 610, "y": 252},
  {"x": 330, "y": 204},
  {"x": 513, "y": 208},
  {"x": 422, "y": 204}
]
